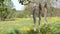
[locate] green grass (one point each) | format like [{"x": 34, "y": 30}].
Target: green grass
[{"x": 25, "y": 26}]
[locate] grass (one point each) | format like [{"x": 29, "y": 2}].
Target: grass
[{"x": 25, "y": 25}]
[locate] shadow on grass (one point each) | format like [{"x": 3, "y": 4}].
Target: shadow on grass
[
  {"x": 32, "y": 32},
  {"x": 44, "y": 30},
  {"x": 15, "y": 32}
]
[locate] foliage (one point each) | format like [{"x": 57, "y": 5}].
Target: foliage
[
  {"x": 5, "y": 11},
  {"x": 8, "y": 3},
  {"x": 20, "y": 15},
  {"x": 25, "y": 2},
  {"x": 1, "y": 1}
]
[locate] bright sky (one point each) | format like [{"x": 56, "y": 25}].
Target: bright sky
[
  {"x": 56, "y": 4},
  {"x": 18, "y": 5}
]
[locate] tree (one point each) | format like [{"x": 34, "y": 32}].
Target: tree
[
  {"x": 24, "y": 2},
  {"x": 5, "y": 11},
  {"x": 8, "y": 3},
  {"x": 1, "y": 4}
]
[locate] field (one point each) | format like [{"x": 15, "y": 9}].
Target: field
[{"x": 25, "y": 26}]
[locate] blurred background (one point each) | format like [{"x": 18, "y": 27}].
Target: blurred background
[
  {"x": 16, "y": 17},
  {"x": 23, "y": 8}
]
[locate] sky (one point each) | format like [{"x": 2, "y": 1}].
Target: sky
[
  {"x": 18, "y": 5},
  {"x": 56, "y": 4}
]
